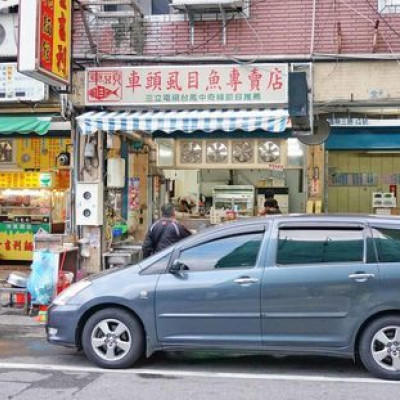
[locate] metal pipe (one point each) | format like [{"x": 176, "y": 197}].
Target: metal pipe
[
  {"x": 312, "y": 40},
  {"x": 219, "y": 58}
]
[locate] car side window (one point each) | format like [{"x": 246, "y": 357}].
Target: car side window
[
  {"x": 387, "y": 241},
  {"x": 239, "y": 251},
  {"x": 319, "y": 245},
  {"x": 158, "y": 267}
]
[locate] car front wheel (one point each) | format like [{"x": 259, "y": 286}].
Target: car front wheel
[
  {"x": 380, "y": 348},
  {"x": 113, "y": 338}
]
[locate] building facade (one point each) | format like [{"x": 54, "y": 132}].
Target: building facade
[{"x": 346, "y": 50}]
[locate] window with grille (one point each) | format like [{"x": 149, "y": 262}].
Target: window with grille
[{"x": 389, "y": 6}]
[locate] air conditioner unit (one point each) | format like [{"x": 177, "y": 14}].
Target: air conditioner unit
[
  {"x": 8, "y": 35},
  {"x": 207, "y": 5}
]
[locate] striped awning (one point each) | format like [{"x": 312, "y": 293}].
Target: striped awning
[{"x": 186, "y": 121}]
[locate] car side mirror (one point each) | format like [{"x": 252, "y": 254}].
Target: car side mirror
[{"x": 177, "y": 266}]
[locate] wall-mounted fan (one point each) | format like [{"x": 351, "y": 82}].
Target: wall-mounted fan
[
  {"x": 268, "y": 151},
  {"x": 217, "y": 152},
  {"x": 243, "y": 151},
  {"x": 191, "y": 152}
]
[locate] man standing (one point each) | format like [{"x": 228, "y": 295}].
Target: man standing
[
  {"x": 271, "y": 206},
  {"x": 163, "y": 232}
]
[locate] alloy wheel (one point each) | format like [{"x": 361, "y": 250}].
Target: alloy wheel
[
  {"x": 385, "y": 348},
  {"x": 111, "y": 340}
]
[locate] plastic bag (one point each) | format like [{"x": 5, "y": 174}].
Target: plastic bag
[{"x": 41, "y": 282}]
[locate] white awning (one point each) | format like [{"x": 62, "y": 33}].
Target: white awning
[
  {"x": 186, "y": 121},
  {"x": 8, "y": 3}
]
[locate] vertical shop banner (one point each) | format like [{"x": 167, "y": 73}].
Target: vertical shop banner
[
  {"x": 44, "y": 51},
  {"x": 256, "y": 84}
]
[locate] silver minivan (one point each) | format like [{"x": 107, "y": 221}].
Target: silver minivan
[{"x": 326, "y": 285}]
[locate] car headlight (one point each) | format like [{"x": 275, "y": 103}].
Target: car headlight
[{"x": 66, "y": 295}]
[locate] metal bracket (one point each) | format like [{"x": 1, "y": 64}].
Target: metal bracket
[
  {"x": 223, "y": 14},
  {"x": 190, "y": 15}
]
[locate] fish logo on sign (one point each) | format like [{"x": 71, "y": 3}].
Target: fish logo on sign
[
  {"x": 105, "y": 86},
  {"x": 101, "y": 93}
]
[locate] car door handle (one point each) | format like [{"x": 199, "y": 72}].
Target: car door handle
[
  {"x": 246, "y": 281},
  {"x": 361, "y": 277}
]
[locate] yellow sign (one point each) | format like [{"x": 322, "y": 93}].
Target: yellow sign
[
  {"x": 19, "y": 180},
  {"x": 16, "y": 245},
  {"x": 55, "y": 39}
]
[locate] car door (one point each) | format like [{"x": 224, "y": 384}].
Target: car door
[
  {"x": 215, "y": 300},
  {"x": 387, "y": 242},
  {"x": 321, "y": 280}
]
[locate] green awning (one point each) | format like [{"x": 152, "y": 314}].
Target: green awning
[{"x": 24, "y": 124}]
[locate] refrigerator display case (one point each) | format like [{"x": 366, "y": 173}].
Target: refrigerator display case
[{"x": 237, "y": 198}]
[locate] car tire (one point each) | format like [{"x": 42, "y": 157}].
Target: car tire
[
  {"x": 113, "y": 338},
  {"x": 379, "y": 348}
]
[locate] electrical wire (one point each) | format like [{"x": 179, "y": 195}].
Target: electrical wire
[
  {"x": 260, "y": 43},
  {"x": 372, "y": 22},
  {"x": 211, "y": 38}
]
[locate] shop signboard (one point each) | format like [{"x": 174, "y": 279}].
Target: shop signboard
[
  {"x": 252, "y": 84},
  {"x": 16, "y": 87},
  {"x": 16, "y": 240},
  {"x": 364, "y": 122},
  {"x": 44, "y": 49}
]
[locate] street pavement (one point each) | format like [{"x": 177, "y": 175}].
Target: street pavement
[{"x": 30, "y": 368}]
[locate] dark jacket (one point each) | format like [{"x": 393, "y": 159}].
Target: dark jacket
[
  {"x": 162, "y": 234},
  {"x": 271, "y": 207}
]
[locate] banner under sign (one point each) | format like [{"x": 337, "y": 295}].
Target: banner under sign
[{"x": 256, "y": 84}]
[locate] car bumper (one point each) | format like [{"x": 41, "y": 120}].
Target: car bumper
[{"x": 62, "y": 324}]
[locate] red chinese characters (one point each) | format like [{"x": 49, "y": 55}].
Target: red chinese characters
[
  {"x": 214, "y": 81},
  {"x": 134, "y": 81},
  {"x": 46, "y": 33},
  {"x": 61, "y": 28},
  {"x": 173, "y": 81},
  {"x": 61, "y": 49},
  {"x": 259, "y": 83},
  {"x": 28, "y": 246},
  {"x": 234, "y": 81},
  {"x": 62, "y": 59},
  {"x": 153, "y": 81},
  {"x": 275, "y": 80},
  {"x": 54, "y": 37},
  {"x": 255, "y": 77},
  {"x": 193, "y": 80}
]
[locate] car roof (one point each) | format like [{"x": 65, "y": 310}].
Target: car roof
[
  {"x": 304, "y": 218},
  {"x": 334, "y": 217}
]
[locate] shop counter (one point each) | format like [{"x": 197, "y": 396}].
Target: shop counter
[{"x": 193, "y": 223}]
